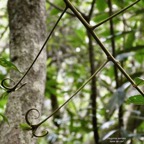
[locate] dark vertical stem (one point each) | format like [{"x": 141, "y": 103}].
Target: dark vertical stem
[
  {"x": 92, "y": 8},
  {"x": 54, "y": 106},
  {"x": 93, "y": 96},
  {"x": 120, "y": 117},
  {"x": 113, "y": 42},
  {"x": 96, "y": 38},
  {"x": 120, "y": 114}
]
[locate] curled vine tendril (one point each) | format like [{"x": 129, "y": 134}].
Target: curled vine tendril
[
  {"x": 3, "y": 84},
  {"x": 34, "y": 127},
  {"x": 15, "y": 87},
  {"x": 109, "y": 58},
  {"x": 9, "y": 88}
]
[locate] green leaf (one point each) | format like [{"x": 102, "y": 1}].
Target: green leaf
[
  {"x": 8, "y": 64},
  {"x": 4, "y": 118},
  {"x": 101, "y": 5},
  {"x": 55, "y": 12},
  {"x": 3, "y": 103},
  {"x": 100, "y": 17},
  {"x": 4, "y": 95},
  {"x": 80, "y": 33},
  {"x": 51, "y": 90},
  {"x": 139, "y": 81},
  {"x": 130, "y": 39},
  {"x": 137, "y": 99},
  {"x": 25, "y": 126}
]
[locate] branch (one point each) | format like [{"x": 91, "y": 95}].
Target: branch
[
  {"x": 2, "y": 34},
  {"x": 15, "y": 87},
  {"x": 108, "y": 54},
  {"x": 136, "y": 48},
  {"x": 114, "y": 15},
  {"x": 59, "y": 8},
  {"x": 33, "y": 128},
  {"x": 92, "y": 8},
  {"x": 120, "y": 111}
]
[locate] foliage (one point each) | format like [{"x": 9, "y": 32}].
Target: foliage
[
  {"x": 4, "y": 118},
  {"x": 8, "y": 64},
  {"x": 68, "y": 67},
  {"x": 137, "y": 99},
  {"x": 25, "y": 126}
]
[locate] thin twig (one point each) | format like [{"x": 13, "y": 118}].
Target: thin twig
[
  {"x": 108, "y": 54},
  {"x": 114, "y": 15},
  {"x": 43, "y": 46},
  {"x": 59, "y": 8},
  {"x": 2, "y": 34},
  {"x": 120, "y": 111},
  {"x": 93, "y": 95},
  {"x": 34, "y": 127},
  {"x": 130, "y": 49},
  {"x": 91, "y": 10},
  {"x": 79, "y": 89}
]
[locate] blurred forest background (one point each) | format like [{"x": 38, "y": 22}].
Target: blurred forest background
[{"x": 99, "y": 111}]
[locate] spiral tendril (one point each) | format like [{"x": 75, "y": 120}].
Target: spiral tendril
[
  {"x": 14, "y": 88},
  {"x": 3, "y": 83},
  {"x": 109, "y": 58},
  {"x": 10, "y": 89},
  {"x": 34, "y": 127}
]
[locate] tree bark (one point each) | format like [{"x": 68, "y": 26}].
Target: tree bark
[{"x": 27, "y": 22}]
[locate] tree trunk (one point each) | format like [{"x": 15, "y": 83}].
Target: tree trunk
[{"x": 27, "y": 34}]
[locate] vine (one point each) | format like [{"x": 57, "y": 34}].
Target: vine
[
  {"x": 15, "y": 87},
  {"x": 36, "y": 126},
  {"x": 90, "y": 28},
  {"x": 110, "y": 57}
]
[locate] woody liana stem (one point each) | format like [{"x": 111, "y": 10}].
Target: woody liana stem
[
  {"x": 34, "y": 127},
  {"x": 11, "y": 89},
  {"x": 108, "y": 54},
  {"x": 109, "y": 58}
]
